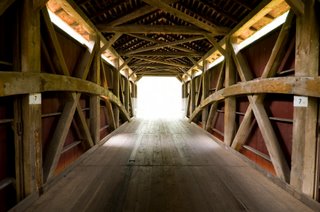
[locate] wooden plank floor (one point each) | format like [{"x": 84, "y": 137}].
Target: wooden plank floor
[{"x": 161, "y": 165}]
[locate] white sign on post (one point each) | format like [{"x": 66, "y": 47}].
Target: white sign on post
[
  {"x": 300, "y": 101},
  {"x": 35, "y": 99}
]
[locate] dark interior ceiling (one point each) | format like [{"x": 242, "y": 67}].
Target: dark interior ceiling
[{"x": 164, "y": 37}]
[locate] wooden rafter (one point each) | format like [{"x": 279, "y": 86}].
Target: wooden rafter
[
  {"x": 72, "y": 8},
  {"x": 152, "y": 29},
  {"x": 257, "y": 13},
  {"x": 216, "y": 44},
  {"x": 162, "y": 62},
  {"x": 194, "y": 62},
  {"x": 165, "y": 7},
  {"x": 165, "y": 44},
  {"x": 125, "y": 63},
  {"x": 168, "y": 54},
  {"x": 243, "y": 4},
  {"x": 135, "y": 14},
  {"x": 114, "y": 38},
  {"x": 152, "y": 40},
  {"x": 221, "y": 12}
]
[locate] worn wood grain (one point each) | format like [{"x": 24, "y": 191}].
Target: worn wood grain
[
  {"x": 30, "y": 113},
  {"x": 163, "y": 165},
  {"x": 304, "y": 156}
]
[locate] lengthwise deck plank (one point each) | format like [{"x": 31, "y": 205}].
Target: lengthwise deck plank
[{"x": 164, "y": 165}]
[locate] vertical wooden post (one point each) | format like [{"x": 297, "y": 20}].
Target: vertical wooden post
[
  {"x": 304, "y": 146},
  {"x": 31, "y": 110},
  {"x": 205, "y": 92},
  {"x": 132, "y": 96},
  {"x": 192, "y": 94},
  {"x": 94, "y": 99},
  {"x": 131, "y": 90},
  {"x": 127, "y": 91},
  {"x": 17, "y": 119},
  {"x": 116, "y": 91},
  {"x": 230, "y": 102}
]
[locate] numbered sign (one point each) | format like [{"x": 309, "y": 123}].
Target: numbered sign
[
  {"x": 300, "y": 101},
  {"x": 35, "y": 99}
]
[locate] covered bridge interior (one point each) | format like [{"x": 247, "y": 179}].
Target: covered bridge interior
[{"x": 69, "y": 136}]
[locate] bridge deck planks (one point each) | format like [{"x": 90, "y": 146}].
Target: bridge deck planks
[{"x": 160, "y": 165}]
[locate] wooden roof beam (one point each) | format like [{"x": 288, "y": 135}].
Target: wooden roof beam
[
  {"x": 136, "y": 14},
  {"x": 216, "y": 44},
  {"x": 166, "y": 44},
  {"x": 144, "y": 38},
  {"x": 73, "y": 9},
  {"x": 219, "y": 11},
  {"x": 160, "y": 66},
  {"x": 138, "y": 29},
  {"x": 169, "y": 54},
  {"x": 194, "y": 62},
  {"x": 163, "y": 62},
  {"x": 216, "y": 30},
  {"x": 131, "y": 16},
  {"x": 114, "y": 38},
  {"x": 261, "y": 10},
  {"x": 125, "y": 63},
  {"x": 158, "y": 42}
]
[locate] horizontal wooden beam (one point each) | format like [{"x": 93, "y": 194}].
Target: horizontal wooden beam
[
  {"x": 14, "y": 83},
  {"x": 152, "y": 29},
  {"x": 304, "y": 86}
]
